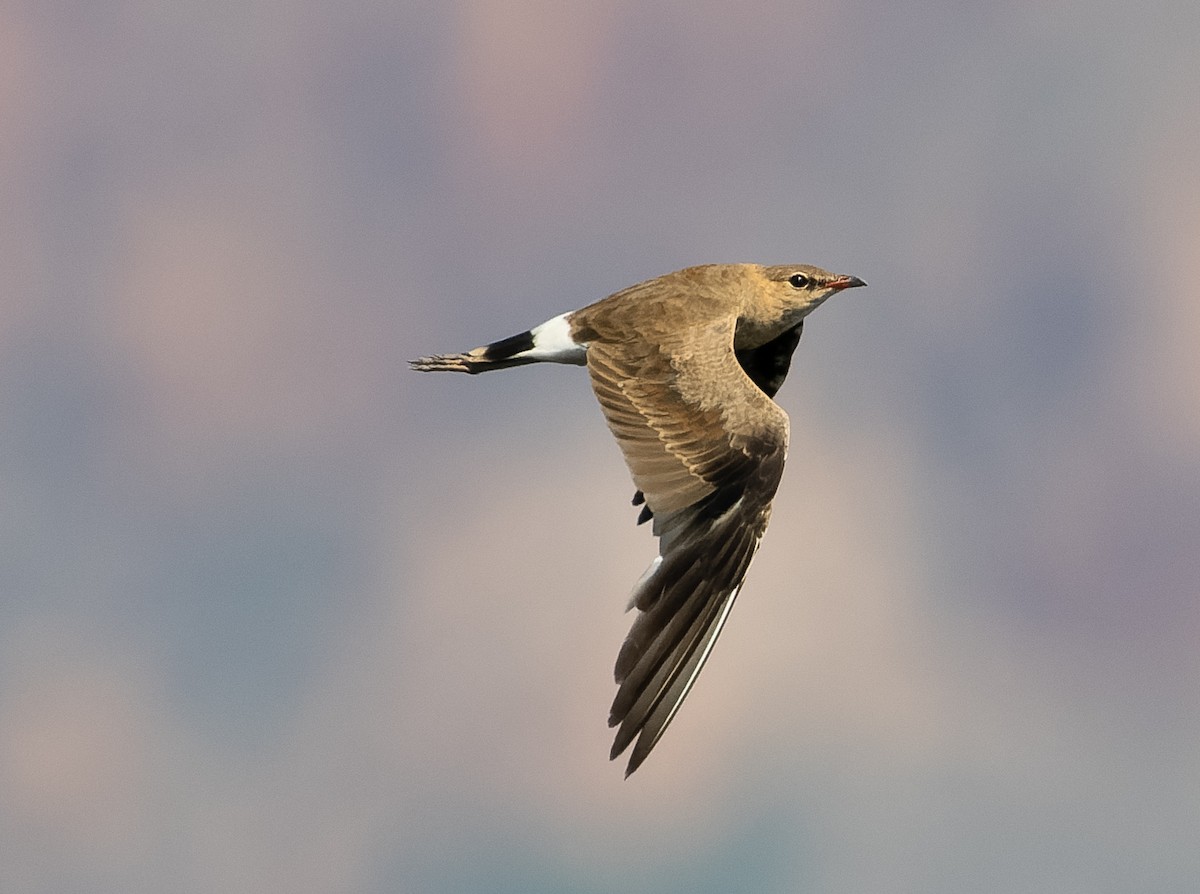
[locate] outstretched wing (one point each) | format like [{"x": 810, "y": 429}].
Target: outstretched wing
[
  {"x": 767, "y": 366},
  {"x": 706, "y": 446}
]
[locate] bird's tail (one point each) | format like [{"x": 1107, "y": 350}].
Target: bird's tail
[
  {"x": 497, "y": 355},
  {"x": 550, "y": 342}
]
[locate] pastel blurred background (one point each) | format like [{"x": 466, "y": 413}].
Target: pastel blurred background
[{"x": 279, "y": 615}]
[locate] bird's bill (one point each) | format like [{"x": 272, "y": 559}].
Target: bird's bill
[{"x": 846, "y": 282}]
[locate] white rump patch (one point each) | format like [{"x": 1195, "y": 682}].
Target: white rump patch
[{"x": 552, "y": 343}]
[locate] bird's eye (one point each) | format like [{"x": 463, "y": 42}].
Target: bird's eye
[{"x": 799, "y": 280}]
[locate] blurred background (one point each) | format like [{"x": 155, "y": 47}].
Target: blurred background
[{"x": 277, "y": 614}]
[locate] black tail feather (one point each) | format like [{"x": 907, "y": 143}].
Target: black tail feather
[{"x": 507, "y": 348}]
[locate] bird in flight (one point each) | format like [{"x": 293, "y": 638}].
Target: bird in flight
[{"x": 685, "y": 367}]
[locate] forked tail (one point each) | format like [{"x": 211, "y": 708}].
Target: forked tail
[{"x": 550, "y": 342}]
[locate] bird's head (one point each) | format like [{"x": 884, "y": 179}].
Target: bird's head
[
  {"x": 802, "y": 287},
  {"x": 785, "y": 295}
]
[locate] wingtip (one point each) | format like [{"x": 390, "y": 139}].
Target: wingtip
[{"x": 635, "y": 760}]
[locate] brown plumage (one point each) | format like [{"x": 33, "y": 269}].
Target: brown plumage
[{"x": 685, "y": 367}]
